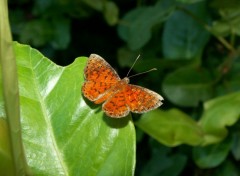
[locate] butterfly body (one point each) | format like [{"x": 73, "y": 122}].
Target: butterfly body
[{"x": 103, "y": 85}]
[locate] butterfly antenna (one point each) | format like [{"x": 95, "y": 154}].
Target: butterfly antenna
[
  {"x": 153, "y": 69},
  {"x": 133, "y": 65}
]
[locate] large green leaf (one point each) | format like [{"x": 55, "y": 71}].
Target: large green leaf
[
  {"x": 63, "y": 133},
  {"x": 171, "y": 127},
  {"x": 218, "y": 114}
]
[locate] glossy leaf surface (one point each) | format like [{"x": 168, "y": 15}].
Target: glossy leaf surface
[{"x": 63, "y": 133}]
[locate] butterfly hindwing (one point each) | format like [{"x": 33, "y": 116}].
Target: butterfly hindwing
[
  {"x": 116, "y": 105},
  {"x": 140, "y": 100}
]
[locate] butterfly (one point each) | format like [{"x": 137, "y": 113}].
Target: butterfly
[{"x": 103, "y": 85}]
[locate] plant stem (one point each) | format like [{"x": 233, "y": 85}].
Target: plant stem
[{"x": 10, "y": 92}]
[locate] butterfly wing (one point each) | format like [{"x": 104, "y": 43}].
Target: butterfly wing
[
  {"x": 140, "y": 100},
  {"x": 99, "y": 78},
  {"x": 131, "y": 98},
  {"x": 116, "y": 106}
]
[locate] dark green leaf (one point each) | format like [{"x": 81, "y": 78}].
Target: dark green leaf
[
  {"x": 136, "y": 26},
  {"x": 218, "y": 114},
  {"x": 212, "y": 155},
  {"x": 95, "y": 4},
  {"x": 163, "y": 162},
  {"x": 227, "y": 168},
  {"x": 62, "y": 134},
  {"x": 188, "y": 1},
  {"x": 37, "y": 32},
  {"x": 177, "y": 165},
  {"x": 61, "y": 34},
  {"x": 236, "y": 145},
  {"x": 189, "y": 38},
  {"x": 171, "y": 127},
  {"x": 188, "y": 86}
]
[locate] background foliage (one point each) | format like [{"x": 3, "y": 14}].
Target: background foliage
[{"x": 194, "y": 44}]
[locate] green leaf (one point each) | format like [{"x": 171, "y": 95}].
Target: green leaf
[
  {"x": 188, "y": 1},
  {"x": 61, "y": 34},
  {"x": 218, "y": 114},
  {"x": 63, "y": 133},
  {"x": 95, "y": 4},
  {"x": 189, "y": 38},
  {"x": 171, "y": 127},
  {"x": 175, "y": 167},
  {"x": 37, "y": 32},
  {"x": 41, "y": 31},
  {"x": 164, "y": 163},
  {"x": 230, "y": 21},
  {"x": 227, "y": 168},
  {"x": 188, "y": 86},
  {"x": 136, "y": 25},
  {"x": 111, "y": 13},
  {"x": 212, "y": 155},
  {"x": 236, "y": 145}
]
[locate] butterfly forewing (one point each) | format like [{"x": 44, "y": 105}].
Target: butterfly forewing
[{"x": 99, "y": 77}]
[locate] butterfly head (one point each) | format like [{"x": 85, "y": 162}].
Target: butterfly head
[{"x": 126, "y": 80}]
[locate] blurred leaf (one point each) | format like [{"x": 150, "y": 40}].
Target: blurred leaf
[
  {"x": 95, "y": 4},
  {"x": 230, "y": 21},
  {"x": 230, "y": 82},
  {"x": 136, "y": 25},
  {"x": 42, "y": 31},
  {"x": 111, "y": 13},
  {"x": 178, "y": 163},
  {"x": 189, "y": 1},
  {"x": 37, "y": 32},
  {"x": 6, "y": 166},
  {"x": 158, "y": 162},
  {"x": 218, "y": 114},
  {"x": 163, "y": 163},
  {"x": 62, "y": 134},
  {"x": 236, "y": 145},
  {"x": 212, "y": 155},
  {"x": 227, "y": 26},
  {"x": 188, "y": 86},
  {"x": 227, "y": 168},
  {"x": 126, "y": 57},
  {"x": 139, "y": 134},
  {"x": 61, "y": 33},
  {"x": 189, "y": 38},
  {"x": 171, "y": 127},
  {"x": 223, "y": 4},
  {"x": 42, "y": 6}
]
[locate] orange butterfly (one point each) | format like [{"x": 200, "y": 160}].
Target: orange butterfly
[{"x": 102, "y": 84}]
